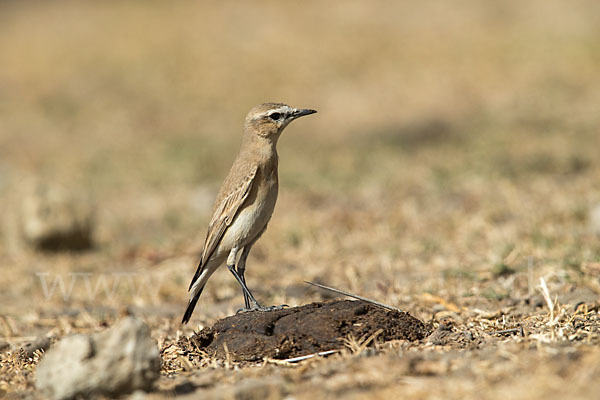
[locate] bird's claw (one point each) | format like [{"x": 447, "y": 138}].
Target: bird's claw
[{"x": 262, "y": 309}]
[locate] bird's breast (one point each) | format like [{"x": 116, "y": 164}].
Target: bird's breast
[{"x": 252, "y": 218}]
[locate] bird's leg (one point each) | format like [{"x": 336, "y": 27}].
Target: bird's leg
[
  {"x": 250, "y": 302},
  {"x": 241, "y": 269},
  {"x": 247, "y": 294},
  {"x": 254, "y": 304}
]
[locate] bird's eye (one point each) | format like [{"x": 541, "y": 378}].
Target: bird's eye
[{"x": 275, "y": 116}]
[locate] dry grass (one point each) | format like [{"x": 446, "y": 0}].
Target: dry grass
[{"x": 453, "y": 164}]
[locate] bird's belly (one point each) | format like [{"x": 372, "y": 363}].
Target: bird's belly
[{"x": 250, "y": 221}]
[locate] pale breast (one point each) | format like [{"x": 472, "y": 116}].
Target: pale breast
[{"x": 256, "y": 213}]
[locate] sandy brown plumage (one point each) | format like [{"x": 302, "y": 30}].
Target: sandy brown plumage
[{"x": 246, "y": 200}]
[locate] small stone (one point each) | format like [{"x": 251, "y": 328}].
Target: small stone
[
  {"x": 54, "y": 219},
  {"x": 442, "y": 335},
  {"x": 112, "y": 363}
]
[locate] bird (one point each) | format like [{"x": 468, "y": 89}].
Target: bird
[{"x": 245, "y": 202}]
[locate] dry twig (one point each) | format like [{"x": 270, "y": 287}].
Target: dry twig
[{"x": 355, "y": 296}]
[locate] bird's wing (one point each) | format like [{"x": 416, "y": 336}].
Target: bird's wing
[{"x": 223, "y": 216}]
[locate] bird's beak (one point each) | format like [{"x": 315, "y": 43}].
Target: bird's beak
[{"x": 302, "y": 112}]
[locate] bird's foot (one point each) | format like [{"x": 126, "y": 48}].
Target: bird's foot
[
  {"x": 262, "y": 309},
  {"x": 273, "y": 308}
]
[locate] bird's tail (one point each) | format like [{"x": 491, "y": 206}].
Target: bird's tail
[
  {"x": 201, "y": 276},
  {"x": 191, "y": 305}
]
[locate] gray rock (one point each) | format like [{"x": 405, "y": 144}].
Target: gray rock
[
  {"x": 112, "y": 363},
  {"x": 52, "y": 218}
]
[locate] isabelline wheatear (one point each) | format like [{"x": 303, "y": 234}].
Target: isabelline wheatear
[{"x": 245, "y": 202}]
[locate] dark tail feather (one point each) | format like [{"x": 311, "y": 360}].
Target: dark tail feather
[
  {"x": 190, "y": 308},
  {"x": 196, "y": 275}
]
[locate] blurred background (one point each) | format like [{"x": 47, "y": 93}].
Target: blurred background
[{"x": 453, "y": 141}]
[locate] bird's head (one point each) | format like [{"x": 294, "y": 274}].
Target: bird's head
[{"x": 270, "y": 119}]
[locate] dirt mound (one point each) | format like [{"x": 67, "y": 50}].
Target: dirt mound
[{"x": 303, "y": 330}]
